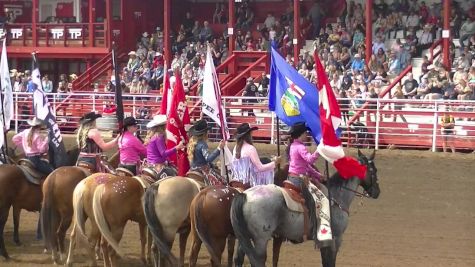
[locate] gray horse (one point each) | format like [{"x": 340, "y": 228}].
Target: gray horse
[{"x": 260, "y": 214}]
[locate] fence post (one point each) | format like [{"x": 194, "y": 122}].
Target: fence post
[
  {"x": 133, "y": 106},
  {"x": 272, "y": 128},
  {"x": 376, "y": 141},
  {"x": 94, "y": 101},
  {"x": 16, "y": 112},
  {"x": 434, "y": 129}
]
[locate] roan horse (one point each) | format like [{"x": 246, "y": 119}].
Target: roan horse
[
  {"x": 260, "y": 214},
  {"x": 125, "y": 192},
  {"x": 17, "y": 191},
  {"x": 211, "y": 222}
]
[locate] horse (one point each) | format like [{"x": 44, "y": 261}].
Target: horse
[
  {"x": 211, "y": 223},
  {"x": 127, "y": 192},
  {"x": 260, "y": 214},
  {"x": 166, "y": 206},
  {"x": 57, "y": 207},
  {"x": 17, "y": 191}
]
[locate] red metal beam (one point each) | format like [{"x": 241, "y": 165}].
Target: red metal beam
[
  {"x": 231, "y": 26},
  {"x": 166, "y": 31},
  {"x": 91, "y": 21},
  {"x": 369, "y": 30},
  {"x": 296, "y": 39},
  {"x": 57, "y": 52},
  {"x": 446, "y": 42},
  {"x": 109, "y": 23},
  {"x": 34, "y": 20}
]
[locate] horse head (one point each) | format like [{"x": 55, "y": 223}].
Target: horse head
[{"x": 370, "y": 182}]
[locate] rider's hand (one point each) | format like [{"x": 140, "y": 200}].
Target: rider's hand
[
  {"x": 221, "y": 144},
  {"x": 277, "y": 160},
  {"x": 180, "y": 146}
]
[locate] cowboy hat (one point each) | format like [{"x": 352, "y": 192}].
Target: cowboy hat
[
  {"x": 145, "y": 34},
  {"x": 89, "y": 117},
  {"x": 199, "y": 128},
  {"x": 157, "y": 121},
  {"x": 73, "y": 76},
  {"x": 243, "y": 129},
  {"x": 298, "y": 129},
  {"x": 36, "y": 122},
  {"x": 129, "y": 121},
  {"x": 132, "y": 53}
]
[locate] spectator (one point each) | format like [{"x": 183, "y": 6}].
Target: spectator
[
  {"x": 357, "y": 64},
  {"x": 426, "y": 40},
  {"x": 205, "y": 33},
  {"x": 394, "y": 65},
  {"x": 269, "y": 21},
  {"x": 219, "y": 15},
  {"x": 398, "y": 105},
  {"x": 315, "y": 15},
  {"x": 466, "y": 31},
  {"x": 47, "y": 84},
  {"x": 378, "y": 45},
  {"x": 447, "y": 128},
  {"x": 250, "y": 90},
  {"x": 422, "y": 89},
  {"x": 264, "y": 85},
  {"x": 410, "y": 86},
  {"x": 133, "y": 63}
]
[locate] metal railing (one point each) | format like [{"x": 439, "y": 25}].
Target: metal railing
[{"x": 414, "y": 124}]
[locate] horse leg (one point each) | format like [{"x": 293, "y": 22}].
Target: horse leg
[
  {"x": 39, "y": 233},
  {"x": 149, "y": 246},
  {"x": 117, "y": 232},
  {"x": 183, "y": 238},
  {"x": 276, "y": 244},
  {"x": 218, "y": 245},
  {"x": 195, "y": 246},
  {"x": 105, "y": 252},
  {"x": 61, "y": 234},
  {"x": 231, "y": 243},
  {"x": 143, "y": 241},
  {"x": 16, "y": 225},
  {"x": 155, "y": 255},
  {"x": 239, "y": 260},
  {"x": 261, "y": 252},
  {"x": 3, "y": 220}
]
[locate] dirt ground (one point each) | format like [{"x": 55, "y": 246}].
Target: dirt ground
[{"x": 423, "y": 217}]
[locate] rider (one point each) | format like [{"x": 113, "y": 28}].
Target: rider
[
  {"x": 198, "y": 153},
  {"x": 34, "y": 142},
  {"x": 246, "y": 162},
  {"x": 90, "y": 141},
  {"x": 301, "y": 172},
  {"x": 130, "y": 147},
  {"x": 157, "y": 152}
]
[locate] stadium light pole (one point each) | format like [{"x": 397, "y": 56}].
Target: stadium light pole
[
  {"x": 296, "y": 38},
  {"x": 231, "y": 27},
  {"x": 446, "y": 35},
  {"x": 369, "y": 30}
]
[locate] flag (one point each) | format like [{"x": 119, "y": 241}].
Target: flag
[
  {"x": 177, "y": 119},
  {"x": 164, "y": 107},
  {"x": 330, "y": 119},
  {"x": 292, "y": 97},
  {"x": 119, "y": 112},
  {"x": 44, "y": 111},
  {"x": 6, "y": 88},
  {"x": 212, "y": 106}
]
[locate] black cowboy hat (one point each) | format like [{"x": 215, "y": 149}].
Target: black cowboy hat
[
  {"x": 199, "y": 128},
  {"x": 129, "y": 121},
  {"x": 298, "y": 129},
  {"x": 243, "y": 129},
  {"x": 88, "y": 117}
]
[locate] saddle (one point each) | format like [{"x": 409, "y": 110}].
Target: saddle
[
  {"x": 145, "y": 181},
  {"x": 123, "y": 172},
  {"x": 238, "y": 185},
  {"x": 295, "y": 201},
  {"x": 29, "y": 169}
]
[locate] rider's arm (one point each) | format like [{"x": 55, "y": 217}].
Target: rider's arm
[
  {"x": 162, "y": 147},
  {"x": 96, "y": 136},
  {"x": 307, "y": 156},
  {"x": 18, "y": 139},
  {"x": 210, "y": 157},
  {"x": 139, "y": 146},
  {"x": 257, "y": 162}
]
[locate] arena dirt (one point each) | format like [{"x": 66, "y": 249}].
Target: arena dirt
[{"x": 424, "y": 217}]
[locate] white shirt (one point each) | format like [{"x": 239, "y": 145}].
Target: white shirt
[
  {"x": 269, "y": 22},
  {"x": 426, "y": 38}
]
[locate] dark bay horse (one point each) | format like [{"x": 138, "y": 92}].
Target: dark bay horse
[
  {"x": 17, "y": 191},
  {"x": 211, "y": 222},
  {"x": 260, "y": 214},
  {"x": 125, "y": 192}
]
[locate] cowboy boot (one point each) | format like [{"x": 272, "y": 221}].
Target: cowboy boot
[{"x": 324, "y": 234}]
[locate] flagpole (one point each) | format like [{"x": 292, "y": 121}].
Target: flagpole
[
  {"x": 5, "y": 143},
  {"x": 278, "y": 135},
  {"x": 118, "y": 91}
]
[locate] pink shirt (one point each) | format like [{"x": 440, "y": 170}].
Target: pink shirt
[
  {"x": 130, "y": 149},
  {"x": 250, "y": 151},
  {"x": 38, "y": 146},
  {"x": 301, "y": 161}
]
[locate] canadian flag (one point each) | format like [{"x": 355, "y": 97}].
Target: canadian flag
[
  {"x": 330, "y": 118},
  {"x": 166, "y": 99}
]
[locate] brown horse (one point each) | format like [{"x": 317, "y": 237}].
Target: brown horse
[
  {"x": 57, "y": 208},
  {"x": 17, "y": 191},
  {"x": 166, "y": 206},
  {"x": 82, "y": 204},
  {"x": 211, "y": 222},
  {"x": 126, "y": 192}
]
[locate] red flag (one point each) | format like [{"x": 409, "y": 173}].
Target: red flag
[
  {"x": 166, "y": 86},
  {"x": 330, "y": 118},
  {"x": 177, "y": 119}
]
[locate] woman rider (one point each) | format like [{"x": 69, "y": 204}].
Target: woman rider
[
  {"x": 301, "y": 172},
  {"x": 199, "y": 155},
  {"x": 157, "y": 152},
  {"x": 247, "y": 167},
  {"x": 130, "y": 147},
  {"x": 90, "y": 143}
]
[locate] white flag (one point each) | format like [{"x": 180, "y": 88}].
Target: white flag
[{"x": 6, "y": 88}]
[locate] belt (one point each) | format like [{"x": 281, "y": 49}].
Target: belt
[
  {"x": 35, "y": 155},
  {"x": 301, "y": 176}
]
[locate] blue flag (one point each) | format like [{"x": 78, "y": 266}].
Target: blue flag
[{"x": 292, "y": 97}]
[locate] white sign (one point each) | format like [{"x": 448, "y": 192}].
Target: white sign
[
  {"x": 445, "y": 34},
  {"x": 230, "y": 31},
  {"x": 57, "y": 33},
  {"x": 16, "y": 33},
  {"x": 2, "y": 33},
  {"x": 75, "y": 33}
]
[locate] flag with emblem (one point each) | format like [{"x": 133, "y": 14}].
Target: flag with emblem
[
  {"x": 45, "y": 112},
  {"x": 329, "y": 145},
  {"x": 292, "y": 97},
  {"x": 7, "y": 107}
]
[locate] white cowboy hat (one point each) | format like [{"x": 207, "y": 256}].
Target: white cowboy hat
[
  {"x": 36, "y": 122},
  {"x": 157, "y": 121},
  {"x": 132, "y": 53},
  {"x": 145, "y": 34}
]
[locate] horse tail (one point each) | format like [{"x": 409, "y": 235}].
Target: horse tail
[
  {"x": 240, "y": 227},
  {"x": 153, "y": 223},
  {"x": 101, "y": 219},
  {"x": 48, "y": 213},
  {"x": 78, "y": 207},
  {"x": 312, "y": 213},
  {"x": 200, "y": 228}
]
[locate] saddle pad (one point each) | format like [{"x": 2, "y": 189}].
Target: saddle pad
[
  {"x": 291, "y": 203},
  {"x": 29, "y": 177},
  {"x": 143, "y": 181}
]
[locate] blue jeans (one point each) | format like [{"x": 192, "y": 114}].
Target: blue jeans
[
  {"x": 40, "y": 165},
  {"x": 297, "y": 181}
]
